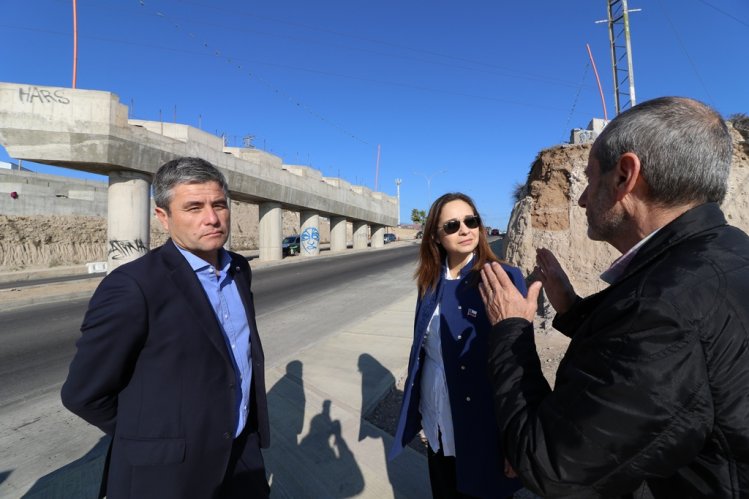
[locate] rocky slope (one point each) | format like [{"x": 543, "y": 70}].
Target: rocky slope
[{"x": 547, "y": 214}]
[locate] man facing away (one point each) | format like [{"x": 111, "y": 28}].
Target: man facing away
[
  {"x": 169, "y": 362},
  {"x": 654, "y": 386}
]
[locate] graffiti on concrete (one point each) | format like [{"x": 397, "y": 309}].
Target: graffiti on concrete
[
  {"x": 310, "y": 239},
  {"x": 44, "y": 96},
  {"x": 119, "y": 249}
]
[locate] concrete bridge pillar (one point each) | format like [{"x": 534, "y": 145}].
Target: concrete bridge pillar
[
  {"x": 309, "y": 234},
  {"x": 378, "y": 236},
  {"x": 128, "y": 220},
  {"x": 338, "y": 234},
  {"x": 270, "y": 231},
  {"x": 360, "y": 234}
]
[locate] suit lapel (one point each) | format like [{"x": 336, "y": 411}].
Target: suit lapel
[{"x": 189, "y": 287}]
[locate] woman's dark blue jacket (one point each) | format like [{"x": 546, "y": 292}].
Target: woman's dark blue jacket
[{"x": 463, "y": 330}]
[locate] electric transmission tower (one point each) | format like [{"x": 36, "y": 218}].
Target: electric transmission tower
[{"x": 621, "y": 54}]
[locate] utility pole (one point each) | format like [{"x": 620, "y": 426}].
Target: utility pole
[
  {"x": 377, "y": 168},
  {"x": 75, "y": 42},
  {"x": 621, "y": 54},
  {"x": 398, "y": 197}
]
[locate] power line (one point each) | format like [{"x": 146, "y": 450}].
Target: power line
[
  {"x": 268, "y": 84},
  {"x": 726, "y": 13},
  {"x": 482, "y": 67},
  {"x": 513, "y": 73},
  {"x": 574, "y": 103},
  {"x": 686, "y": 53},
  {"x": 216, "y": 53}
]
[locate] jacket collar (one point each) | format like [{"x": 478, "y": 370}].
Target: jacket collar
[
  {"x": 463, "y": 271},
  {"x": 698, "y": 219}
]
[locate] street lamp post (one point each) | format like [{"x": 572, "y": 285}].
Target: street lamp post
[
  {"x": 429, "y": 178},
  {"x": 398, "y": 197}
]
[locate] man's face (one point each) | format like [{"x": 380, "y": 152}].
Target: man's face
[
  {"x": 198, "y": 219},
  {"x": 604, "y": 214}
]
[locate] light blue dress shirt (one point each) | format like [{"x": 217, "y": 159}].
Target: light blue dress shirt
[
  {"x": 434, "y": 404},
  {"x": 222, "y": 292}
]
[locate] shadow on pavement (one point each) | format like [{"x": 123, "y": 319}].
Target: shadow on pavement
[
  {"x": 318, "y": 465},
  {"x": 377, "y": 381},
  {"x": 80, "y": 479},
  {"x": 331, "y": 456}
]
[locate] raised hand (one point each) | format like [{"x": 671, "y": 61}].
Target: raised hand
[
  {"x": 502, "y": 299},
  {"x": 557, "y": 285}
]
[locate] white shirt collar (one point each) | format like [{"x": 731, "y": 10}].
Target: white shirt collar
[
  {"x": 616, "y": 270},
  {"x": 447, "y": 269}
]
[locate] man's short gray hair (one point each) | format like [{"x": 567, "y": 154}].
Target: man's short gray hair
[
  {"x": 683, "y": 145},
  {"x": 184, "y": 171}
]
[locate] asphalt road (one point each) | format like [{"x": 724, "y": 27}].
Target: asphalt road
[
  {"x": 48, "y": 452},
  {"x": 297, "y": 304}
]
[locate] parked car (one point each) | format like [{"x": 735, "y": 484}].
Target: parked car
[
  {"x": 419, "y": 234},
  {"x": 495, "y": 232},
  {"x": 290, "y": 245},
  {"x": 390, "y": 237}
]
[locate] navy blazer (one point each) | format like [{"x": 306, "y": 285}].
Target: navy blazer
[
  {"x": 464, "y": 327},
  {"x": 153, "y": 370}
]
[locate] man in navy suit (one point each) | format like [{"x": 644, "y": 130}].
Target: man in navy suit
[{"x": 170, "y": 363}]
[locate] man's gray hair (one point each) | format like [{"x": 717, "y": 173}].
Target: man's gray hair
[
  {"x": 683, "y": 145},
  {"x": 184, "y": 171}
]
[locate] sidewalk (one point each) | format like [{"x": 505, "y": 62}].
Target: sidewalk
[{"x": 321, "y": 447}]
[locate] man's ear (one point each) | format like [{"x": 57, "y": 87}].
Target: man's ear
[
  {"x": 627, "y": 175},
  {"x": 163, "y": 217}
]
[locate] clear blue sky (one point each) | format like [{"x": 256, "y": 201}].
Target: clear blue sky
[{"x": 464, "y": 94}]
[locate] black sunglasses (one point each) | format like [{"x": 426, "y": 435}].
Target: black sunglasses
[{"x": 452, "y": 226}]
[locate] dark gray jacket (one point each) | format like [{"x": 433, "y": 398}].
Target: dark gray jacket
[{"x": 654, "y": 386}]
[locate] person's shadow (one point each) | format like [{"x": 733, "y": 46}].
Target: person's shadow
[
  {"x": 331, "y": 456},
  {"x": 286, "y": 403},
  {"x": 79, "y": 479},
  {"x": 320, "y": 464},
  {"x": 378, "y": 382}
]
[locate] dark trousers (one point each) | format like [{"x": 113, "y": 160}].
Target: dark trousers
[
  {"x": 245, "y": 473},
  {"x": 443, "y": 477}
]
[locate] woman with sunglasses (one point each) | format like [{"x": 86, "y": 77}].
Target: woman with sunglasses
[{"x": 447, "y": 393}]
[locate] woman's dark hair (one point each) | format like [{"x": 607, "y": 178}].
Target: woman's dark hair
[{"x": 432, "y": 254}]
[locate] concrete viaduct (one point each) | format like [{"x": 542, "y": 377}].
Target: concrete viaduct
[{"x": 89, "y": 130}]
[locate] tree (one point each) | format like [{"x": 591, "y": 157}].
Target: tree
[{"x": 418, "y": 216}]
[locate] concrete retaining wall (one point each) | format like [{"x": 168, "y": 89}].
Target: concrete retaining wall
[{"x": 39, "y": 194}]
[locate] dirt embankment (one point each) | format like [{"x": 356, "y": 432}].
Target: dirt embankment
[
  {"x": 40, "y": 241},
  {"x": 547, "y": 216},
  {"x": 50, "y": 241}
]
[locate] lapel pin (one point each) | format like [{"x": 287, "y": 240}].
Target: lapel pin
[{"x": 471, "y": 312}]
